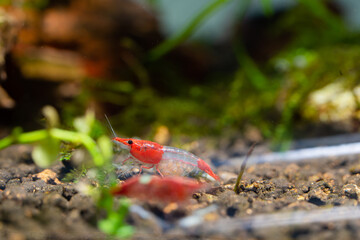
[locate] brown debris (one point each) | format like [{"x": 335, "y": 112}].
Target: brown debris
[
  {"x": 5, "y": 100},
  {"x": 48, "y": 176}
]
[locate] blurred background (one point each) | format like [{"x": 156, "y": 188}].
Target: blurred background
[{"x": 167, "y": 70}]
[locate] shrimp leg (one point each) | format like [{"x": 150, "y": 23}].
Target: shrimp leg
[
  {"x": 123, "y": 162},
  {"x": 157, "y": 169},
  {"x": 141, "y": 168}
]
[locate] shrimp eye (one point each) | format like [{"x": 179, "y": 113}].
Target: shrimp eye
[{"x": 130, "y": 142}]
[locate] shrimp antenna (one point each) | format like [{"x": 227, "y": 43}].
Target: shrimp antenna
[{"x": 111, "y": 128}]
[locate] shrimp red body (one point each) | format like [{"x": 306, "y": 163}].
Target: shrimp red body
[
  {"x": 167, "y": 160},
  {"x": 154, "y": 188}
]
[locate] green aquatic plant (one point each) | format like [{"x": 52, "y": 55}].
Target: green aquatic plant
[
  {"x": 86, "y": 133},
  {"x": 242, "y": 169},
  {"x": 166, "y": 46},
  {"x": 114, "y": 224}
]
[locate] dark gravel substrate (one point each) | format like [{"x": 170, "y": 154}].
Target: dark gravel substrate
[
  {"x": 41, "y": 206},
  {"x": 32, "y": 208}
]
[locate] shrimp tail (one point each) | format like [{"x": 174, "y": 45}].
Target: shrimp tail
[{"x": 206, "y": 168}]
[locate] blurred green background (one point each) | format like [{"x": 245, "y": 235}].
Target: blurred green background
[{"x": 273, "y": 70}]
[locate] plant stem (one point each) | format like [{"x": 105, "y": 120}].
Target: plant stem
[
  {"x": 5, "y": 142},
  {"x": 319, "y": 9},
  {"x": 76, "y": 137},
  {"x": 164, "y": 47},
  {"x": 251, "y": 70},
  {"x": 242, "y": 169},
  {"x": 60, "y": 134},
  {"x": 23, "y": 138}
]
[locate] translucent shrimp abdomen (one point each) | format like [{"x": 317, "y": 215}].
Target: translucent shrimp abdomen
[{"x": 178, "y": 162}]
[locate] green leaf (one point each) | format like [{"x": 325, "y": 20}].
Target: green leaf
[
  {"x": 106, "y": 225},
  {"x": 84, "y": 124},
  {"x": 46, "y": 152},
  {"x": 115, "y": 224},
  {"x": 51, "y": 115},
  {"x": 125, "y": 231},
  {"x": 267, "y": 7},
  {"x": 106, "y": 147}
]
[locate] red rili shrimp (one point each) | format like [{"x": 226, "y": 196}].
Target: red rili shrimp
[
  {"x": 154, "y": 188},
  {"x": 168, "y": 161}
]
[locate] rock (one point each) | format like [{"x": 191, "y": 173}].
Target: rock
[
  {"x": 69, "y": 192},
  {"x": 228, "y": 177},
  {"x": 5, "y": 175},
  {"x": 2, "y": 184},
  {"x": 300, "y": 205},
  {"x": 55, "y": 199},
  {"x": 48, "y": 176},
  {"x": 355, "y": 169},
  {"x": 13, "y": 182},
  {"x": 146, "y": 220},
  {"x": 85, "y": 205},
  {"x": 16, "y": 236},
  {"x": 41, "y": 186},
  {"x": 15, "y": 193},
  {"x": 292, "y": 171},
  {"x": 23, "y": 170},
  {"x": 351, "y": 191},
  {"x": 317, "y": 197}
]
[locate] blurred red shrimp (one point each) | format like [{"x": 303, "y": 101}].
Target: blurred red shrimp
[{"x": 158, "y": 189}]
